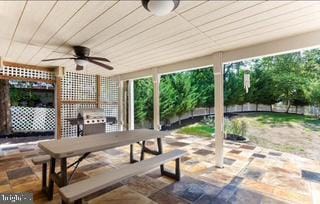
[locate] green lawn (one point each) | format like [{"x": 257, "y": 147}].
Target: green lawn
[
  {"x": 202, "y": 130},
  {"x": 278, "y": 119}
]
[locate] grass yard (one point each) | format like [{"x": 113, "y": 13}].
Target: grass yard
[
  {"x": 197, "y": 129},
  {"x": 290, "y": 133},
  {"x": 283, "y": 132}
]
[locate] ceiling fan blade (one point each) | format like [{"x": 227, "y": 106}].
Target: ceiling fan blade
[
  {"x": 100, "y": 64},
  {"x": 99, "y": 59},
  {"x": 79, "y": 67},
  {"x": 47, "y": 60}
]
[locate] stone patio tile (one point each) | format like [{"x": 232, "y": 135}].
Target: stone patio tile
[
  {"x": 291, "y": 196},
  {"x": 276, "y": 154},
  {"x": 5, "y": 188},
  {"x": 256, "y": 186},
  {"x": 311, "y": 176},
  {"x": 92, "y": 166},
  {"x": 190, "y": 189},
  {"x": 18, "y": 173},
  {"x": 262, "y": 156},
  {"x": 145, "y": 185},
  {"x": 7, "y": 166},
  {"x": 234, "y": 151},
  {"x": 286, "y": 182},
  {"x": 269, "y": 200},
  {"x": 122, "y": 195},
  {"x": 179, "y": 144},
  {"x": 249, "y": 147},
  {"x": 253, "y": 173},
  {"x": 242, "y": 196},
  {"x": 203, "y": 152},
  {"x": 228, "y": 161},
  {"x": 163, "y": 197},
  {"x": 26, "y": 179}
]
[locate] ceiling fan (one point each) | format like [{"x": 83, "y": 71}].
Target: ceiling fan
[{"x": 82, "y": 57}]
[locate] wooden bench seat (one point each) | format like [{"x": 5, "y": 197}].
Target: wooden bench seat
[
  {"x": 75, "y": 192},
  {"x": 42, "y": 159}
]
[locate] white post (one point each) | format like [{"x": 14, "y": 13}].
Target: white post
[
  {"x": 219, "y": 108},
  {"x": 131, "y": 104},
  {"x": 120, "y": 104},
  {"x": 156, "y": 100}
]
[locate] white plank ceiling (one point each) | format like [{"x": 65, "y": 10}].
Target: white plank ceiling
[{"x": 133, "y": 39}]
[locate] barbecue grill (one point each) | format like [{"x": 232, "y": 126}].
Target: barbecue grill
[{"x": 91, "y": 121}]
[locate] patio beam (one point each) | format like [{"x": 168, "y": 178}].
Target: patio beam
[
  {"x": 131, "y": 104},
  {"x": 156, "y": 100},
  {"x": 219, "y": 107},
  {"x": 275, "y": 47}
]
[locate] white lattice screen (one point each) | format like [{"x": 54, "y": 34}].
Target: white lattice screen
[
  {"x": 109, "y": 101},
  {"x": 32, "y": 119},
  {"x": 82, "y": 90},
  {"x": 79, "y": 87},
  {"x": 26, "y": 73}
]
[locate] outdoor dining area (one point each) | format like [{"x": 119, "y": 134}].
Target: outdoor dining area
[{"x": 93, "y": 51}]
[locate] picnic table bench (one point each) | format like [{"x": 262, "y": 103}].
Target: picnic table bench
[{"x": 83, "y": 146}]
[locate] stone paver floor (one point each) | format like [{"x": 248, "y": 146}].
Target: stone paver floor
[{"x": 250, "y": 175}]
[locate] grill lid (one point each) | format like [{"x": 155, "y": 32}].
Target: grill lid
[{"x": 92, "y": 116}]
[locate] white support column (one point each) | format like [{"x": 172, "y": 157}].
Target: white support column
[
  {"x": 156, "y": 100},
  {"x": 131, "y": 104},
  {"x": 219, "y": 108},
  {"x": 120, "y": 104}
]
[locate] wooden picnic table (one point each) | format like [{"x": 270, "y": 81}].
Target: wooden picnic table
[{"x": 83, "y": 146}]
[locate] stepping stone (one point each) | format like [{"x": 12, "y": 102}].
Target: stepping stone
[
  {"x": 179, "y": 144},
  {"x": 310, "y": 176},
  {"x": 262, "y": 156},
  {"x": 277, "y": 154},
  {"x": 234, "y": 151},
  {"x": 203, "y": 152},
  {"x": 247, "y": 147},
  {"x": 228, "y": 161}
]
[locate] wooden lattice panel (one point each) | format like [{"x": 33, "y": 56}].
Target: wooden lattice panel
[
  {"x": 79, "y": 87},
  {"x": 11, "y": 71},
  {"x": 71, "y": 111}
]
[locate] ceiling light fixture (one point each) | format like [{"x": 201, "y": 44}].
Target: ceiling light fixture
[
  {"x": 81, "y": 62},
  {"x": 160, "y": 7}
]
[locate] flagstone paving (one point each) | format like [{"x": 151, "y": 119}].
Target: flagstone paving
[{"x": 250, "y": 175}]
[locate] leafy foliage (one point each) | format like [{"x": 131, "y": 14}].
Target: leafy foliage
[{"x": 293, "y": 79}]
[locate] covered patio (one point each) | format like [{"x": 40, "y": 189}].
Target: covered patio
[{"x": 197, "y": 34}]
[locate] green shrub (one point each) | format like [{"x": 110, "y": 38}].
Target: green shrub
[{"x": 236, "y": 127}]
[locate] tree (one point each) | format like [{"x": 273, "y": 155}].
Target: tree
[
  {"x": 5, "y": 114},
  {"x": 143, "y": 103}
]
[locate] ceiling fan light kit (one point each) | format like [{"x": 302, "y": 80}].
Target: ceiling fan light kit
[{"x": 160, "y": 7}]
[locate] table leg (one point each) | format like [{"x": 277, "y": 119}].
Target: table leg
[
  {"x": 64, "y": 177},
  {"x": 142, "y": 150},
  {"x": 131, "y": 154},
  {"x": 160, "y": 150},
  {"x": 51, "y": 181}
]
